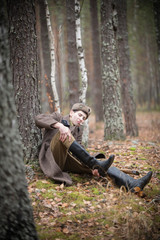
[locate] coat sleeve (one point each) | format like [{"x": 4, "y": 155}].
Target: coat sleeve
[{"x": 46, "y": 120}]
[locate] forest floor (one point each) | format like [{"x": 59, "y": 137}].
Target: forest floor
[{"x": 93, "y": 208}]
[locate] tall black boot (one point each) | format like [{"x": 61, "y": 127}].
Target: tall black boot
[
  {"x": 122, "y": 179},
  {"x": 81, "y": 154}
]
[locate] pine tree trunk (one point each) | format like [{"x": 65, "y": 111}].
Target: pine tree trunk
[
  {"x": 16, "y": 218},
  {"x": 24, "y": 61},
  {"x": 156, "y": 5},
  {"x": 46, "y": 94},
  {"x": 88, "y": 48},
  {"x": 113, "y": 128},
  {"x": 128, "y": 103},
  {"x": 144, "y": 54},
  {"x": 97, "y": 79},
  {"x": 72, "y": 58}
]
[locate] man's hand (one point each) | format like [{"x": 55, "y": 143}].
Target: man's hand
[
  {"x": 95, "y": 173},
  {"x": 64, "y": 131}
]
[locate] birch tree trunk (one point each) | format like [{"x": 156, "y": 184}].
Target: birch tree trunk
[
  {"x": 52, "y": 56},
  {"x": 113, "y": 128},
  {"x": 56, "y": 33},
  {"x": 16, "y": 217},
  {"x": 83, "y": 69}
]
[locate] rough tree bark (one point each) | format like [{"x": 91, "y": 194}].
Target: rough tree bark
[
  {"x": 46, "y": 93},
  {"x": 113, "y": 128},
  {"x": 72, "y": 60},
  {"x": 129, "y": 108},
  {"x": 97, "y": 78},
  {"x": 24, "y": 62},
  {"x": 16, "y": 218}
]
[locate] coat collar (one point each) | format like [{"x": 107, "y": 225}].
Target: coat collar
[{"x": 71, "y": 126}]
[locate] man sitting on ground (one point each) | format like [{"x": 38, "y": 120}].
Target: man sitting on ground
[{"x": 62, "y": 151}]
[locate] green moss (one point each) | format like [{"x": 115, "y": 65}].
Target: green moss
[
  {"x": 157, "y": 218},
  {"x": 158, "y": 176},
  {"x": 40, "y": 184},
  {"x": 77, "y": 197},
  {"x": 51, "y": 233},
  {"x": 142, "y": 158},
  {"x": 133, "y": 153},
  {"x": 95, "y": 191},
  {"x": 49, "y": 194},
  {"x": 143, "y": 148},
  {"x": 125, "y": 154},
  {"x": 147, "y": 167},
  {"x": 132, "y": 148},
  {"x": 154, "y": 191},
  {"x": 78, "y": 178}
]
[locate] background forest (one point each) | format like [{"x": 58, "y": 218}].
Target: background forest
[
  {"x": 105, "y": 53},
  {"x": 143, "y": 43}
]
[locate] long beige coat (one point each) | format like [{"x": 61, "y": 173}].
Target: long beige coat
[{"x": 46, "y": 159}]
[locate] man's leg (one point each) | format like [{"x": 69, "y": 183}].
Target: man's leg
[
  {"x": 75, "y": 166},
  {"x": 80, "y": 153},
  {"x": 122, "y": 179},
  {"x": 60, "y": 150}
]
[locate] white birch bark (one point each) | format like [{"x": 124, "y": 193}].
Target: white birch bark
[
  {"x": 52, "y": 56},
  {"x": 83, "y": 69}
]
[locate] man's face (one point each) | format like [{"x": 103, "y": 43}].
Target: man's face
[{"x": 77, "y": 118}]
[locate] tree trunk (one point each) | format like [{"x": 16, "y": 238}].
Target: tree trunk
[
  {"x": 97, "y": 79},
  {"x": 16, "y": 218},
  {"x": 83, "y": 69},
  {"x": 128, "y": 103},
  {"x": 72, "y": 58},
  {"x": 87, "y": 46},
  {"x": 144, "y": 52},
  {"x": 156, "y": 5},
  {"x": 52, "y": 59},
  {"x": 46, "y": 94},
  {"x": 23, "y": 45},
  {"x": 53, "y": 5},
  {"x": 113, "y": 128}
]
